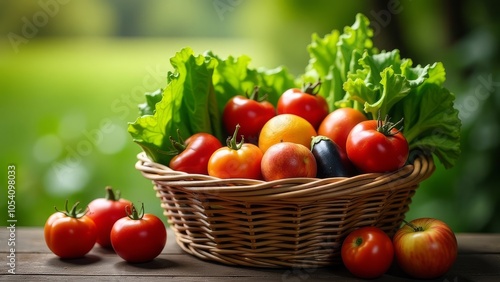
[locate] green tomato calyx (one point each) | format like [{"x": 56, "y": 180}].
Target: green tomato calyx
[
  {"x": 231, "y": 140},
  {"x": 386, "y": 126},
  {"x": 74, "y": 212},
  {"x": 312, "y": 88},
  {"x": 255, "y": 95},
  {"x": 133, "y": 213}
]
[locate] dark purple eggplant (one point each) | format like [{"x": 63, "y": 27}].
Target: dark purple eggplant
[{"x": 328, "y": 158}]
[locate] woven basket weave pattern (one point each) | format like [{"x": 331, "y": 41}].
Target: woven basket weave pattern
[{"x": 283, "y": 223}]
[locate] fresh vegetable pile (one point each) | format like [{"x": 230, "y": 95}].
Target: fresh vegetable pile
[
  {"x": 375, "y": 108},
  {"x": 354, "y": 110}
]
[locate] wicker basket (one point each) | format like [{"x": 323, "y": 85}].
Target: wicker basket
[{"x": 297, "y": 222}]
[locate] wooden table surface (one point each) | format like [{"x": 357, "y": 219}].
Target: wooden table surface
[{"x": 478, "y": 260}]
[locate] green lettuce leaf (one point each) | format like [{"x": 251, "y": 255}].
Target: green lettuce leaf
[
  {"x": 194, "y": 98},
  {"x": 431, "y": 123},
  {"x": 379, "y": 84},
  {"x": 187, "y": 105},
  {"x": 148, "y": 107},
  {"x": 335, "y": 56}
]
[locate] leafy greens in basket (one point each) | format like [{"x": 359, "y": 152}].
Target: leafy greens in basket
[
  {"x": 194, "y": 98},
  {"x": 353, "y": 73}
]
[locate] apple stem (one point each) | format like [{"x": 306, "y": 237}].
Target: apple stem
[
  {"x": 415, "y": 228},
  {"x": 358, "y": 241}
]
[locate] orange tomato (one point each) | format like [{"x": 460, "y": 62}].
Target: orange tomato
[{"x": 236, "y": 160}]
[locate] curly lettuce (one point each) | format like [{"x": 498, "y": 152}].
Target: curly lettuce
[{"x": 356, "y": 74}]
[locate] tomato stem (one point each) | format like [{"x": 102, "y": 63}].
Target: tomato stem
[
  {"x": 177, "y": 144},
  {"x": 231, "y": 140},
  {"x": 312, "y": 88},
  {"x": 132, "y": 212},
  {"x": 386, "y": 126},
  {"x": 110, "y": 195},
  {"x": 255, "y": 95},
  {"x": 413, "y": 226},
  {"x": 75, "y": 212}
]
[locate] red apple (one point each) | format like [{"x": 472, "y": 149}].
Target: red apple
[
  {"x": 288, "y": 160},
  {"x": 425, "y": 248}
]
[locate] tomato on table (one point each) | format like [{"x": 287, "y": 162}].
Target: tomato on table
[
  {"x": 236, "y": 160},
  {"x": 70, "y": 233},
  {"x": 105, "y": 212},
  {"x": 305, "y": 102},
  {"x": 194, "y": 153},
  {"x": 377, "y": 146},
  {"x": 367, "y": 252},
  {"x": 250, "y": 112},
  {"x": 138, "y": 237}
]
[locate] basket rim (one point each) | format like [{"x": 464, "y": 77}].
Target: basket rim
[{"x": 290, "y": 189}]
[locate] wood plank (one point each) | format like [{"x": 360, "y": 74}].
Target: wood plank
[
  {"x": 479, "y": 260},
  {"x": 30, "y": 239},
  {"x": 482, "y": 243},
  {"x": 174, "y": 265},
  {"x": 185, "y": 268}
]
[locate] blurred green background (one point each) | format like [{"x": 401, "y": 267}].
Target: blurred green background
[{"x": 73, "y": 72}]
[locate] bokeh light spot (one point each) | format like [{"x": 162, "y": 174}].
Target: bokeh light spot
[{"x": 47, "y": 148}]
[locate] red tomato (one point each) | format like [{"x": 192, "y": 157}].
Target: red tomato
[
  {"x": 367, "y": 252},
  {"x": 425, "y": 248},
  {"x": 70, "y": 233},
  {"x": 250, "y": 113},
  {"x": 105, "y": 212},
  {"x": 236, "y": 160},
  {"x": 377, "y": 146},
  {"x": 304, "y": 103},
  {"x": 139, "y": 237},
  {"x": 194, "y": 153},
  {"x": 337, "y": 125}
]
